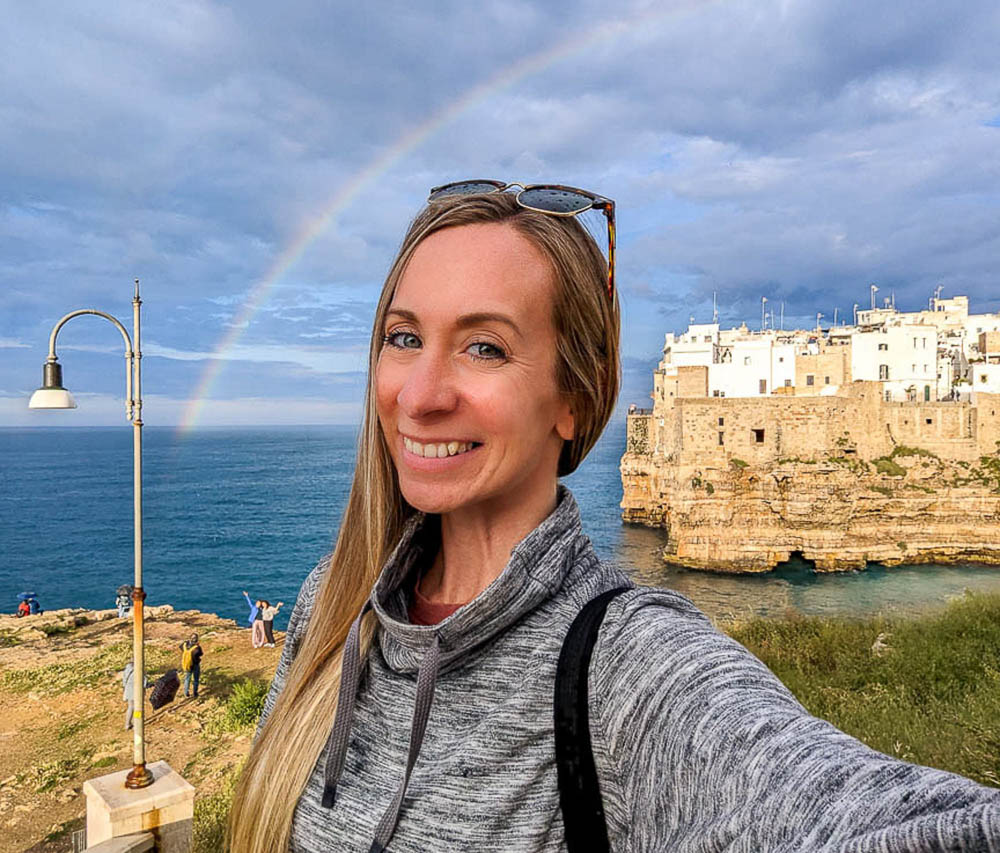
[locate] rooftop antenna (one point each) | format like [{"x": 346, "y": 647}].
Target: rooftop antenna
[
  {"x": 894, "y": 300},
  {"x": 763, "y": 316},
  {"x": 874, "y": 291},
  {"x": 715, "y": 308},
  {"x": 855, "y": 313},
  {"x": 834, "y": 316},
  {"x": 818, "y": 318}
]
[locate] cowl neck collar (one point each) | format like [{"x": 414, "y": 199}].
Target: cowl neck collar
[{"x": 537, "y": 568}]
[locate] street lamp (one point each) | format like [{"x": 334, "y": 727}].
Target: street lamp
[{"x": 52, "y": 395}]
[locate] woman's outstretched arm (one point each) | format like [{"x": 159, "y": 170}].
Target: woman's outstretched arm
[{"x": 706, "y": 750}]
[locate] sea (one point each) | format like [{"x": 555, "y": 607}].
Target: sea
[{"x": 227, "y": 510}]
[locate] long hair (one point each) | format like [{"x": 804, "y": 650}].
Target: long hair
[{"x": 586, "y": 322}]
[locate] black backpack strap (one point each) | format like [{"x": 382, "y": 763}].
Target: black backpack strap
[{"x": 579, "y": 792}]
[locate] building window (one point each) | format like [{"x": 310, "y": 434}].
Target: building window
[
  {"x": 722, "y": 393},
  {"x": 982, "y": 377},
  {"x": 720, "y": 438},
  {"x": 928, "y": 420},
  {"x": 883, "y": 371},
  {"x": 758, "y": 436},
  {"x": 781, "y": 359},
  {"x": 722, "y": 421},
  {"x": 827, "y": 380},
  {"x": 913, "y": 368},
  {"x": 924, "y": 342},
  {"x": 914, "y": 343},
  {"x": 788, "y": 383},
  {"x": 883, "y": 347},
  {"x": 715, "y": 393},
  {"x": 746, "y": 359},
  {"x": 708, "y": 339},
  {"x": 762, "y": 386},
  {"x": 810, "y": 379}
]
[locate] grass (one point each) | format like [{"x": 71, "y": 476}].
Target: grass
[
  {"x": 211, "y": 814},
  {"x": 737, "y": 463},
  {"x": 63, "y": 677},
  {"x": 933, "y": 698},
  {"x": 882, "y": 490}
]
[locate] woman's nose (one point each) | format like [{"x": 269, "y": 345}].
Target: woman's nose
[{"x": 429, "y": 387}]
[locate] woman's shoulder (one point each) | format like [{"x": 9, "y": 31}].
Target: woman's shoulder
[{"x": 306, "y": 598}]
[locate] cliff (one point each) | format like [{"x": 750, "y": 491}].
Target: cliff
[
  {"x": 62, "y": 714},
  {"x": 723, "y": 514}
]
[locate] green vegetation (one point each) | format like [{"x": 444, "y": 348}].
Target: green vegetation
[
  {"x": 709, "y": 488},
  {"x": 62, "y": 677},
  {"x": 211, "y": 814},
  {"x": 916, "y": 487},
  {"x": 8, "y": 638},
  {"x": 882, "y": 490},
  {"x": 737, "y": 463},
  {"x": 696, "y": 482},
  {"x": 903, "y": 450},
  {"x": 901, "y": 545},
  {"x": 242, "y": 709},
  {"x": 885, "y": 465},
  {"x": 51, "y": 629},
  {"x": 932, "y": 697}
]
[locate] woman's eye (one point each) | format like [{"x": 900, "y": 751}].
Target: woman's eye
[
  {"x": 402, "y": 340},
  {"x": 485, "y": 351}
]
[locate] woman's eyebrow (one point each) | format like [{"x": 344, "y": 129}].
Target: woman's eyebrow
[{"x": 465, "y": 320}]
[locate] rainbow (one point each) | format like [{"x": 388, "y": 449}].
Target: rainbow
[{"x": 412, "y": 139}]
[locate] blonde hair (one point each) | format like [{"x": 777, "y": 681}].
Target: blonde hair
[{"x": 586, "y": 323}]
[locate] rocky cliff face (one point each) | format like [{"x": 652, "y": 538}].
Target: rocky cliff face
[{"x": 721, "y": 514}]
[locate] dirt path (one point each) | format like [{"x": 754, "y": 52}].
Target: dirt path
[{"x": 62, "y": 714}]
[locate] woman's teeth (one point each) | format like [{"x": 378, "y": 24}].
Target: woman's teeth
[{"x": 437, "y": 451}]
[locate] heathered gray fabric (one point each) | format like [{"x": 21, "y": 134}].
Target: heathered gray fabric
[{"x": 698, "y": 746}]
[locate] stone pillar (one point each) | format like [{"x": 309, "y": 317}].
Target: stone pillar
[{"x": 165, "y": 808}]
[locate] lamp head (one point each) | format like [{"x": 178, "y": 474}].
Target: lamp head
[{"x": 52, "y": 395}]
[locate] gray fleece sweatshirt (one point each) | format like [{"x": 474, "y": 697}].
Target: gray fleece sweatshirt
[{"x": 698, "y": 746}]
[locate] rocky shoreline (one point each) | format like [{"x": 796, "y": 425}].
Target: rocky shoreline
[
  {"x": 841, "y": 513},
  {"x": 61, "y": 712}
]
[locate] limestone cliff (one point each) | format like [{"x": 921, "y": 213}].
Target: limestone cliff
[{"x": 723, "y": 514}]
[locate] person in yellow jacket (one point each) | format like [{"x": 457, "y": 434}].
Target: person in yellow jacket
[{"x": 191, "y": 654}]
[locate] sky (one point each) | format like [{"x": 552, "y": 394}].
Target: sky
[{"x": 255, "y": 165}]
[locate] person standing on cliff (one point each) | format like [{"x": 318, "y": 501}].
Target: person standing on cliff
[
  {"x": 191, "y": 654},
  {"x": 128, "y": 683},
  {"x": 256, "y": 620},
  {"x": 268, "y": 612}
]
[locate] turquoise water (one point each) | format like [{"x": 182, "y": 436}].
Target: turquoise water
[{"x": 227, "y": 510}]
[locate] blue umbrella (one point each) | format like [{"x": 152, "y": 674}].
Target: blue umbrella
[{"x": 26, "y": 596}]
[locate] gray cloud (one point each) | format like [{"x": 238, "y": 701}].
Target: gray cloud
[{"x": 797, "y": 150}]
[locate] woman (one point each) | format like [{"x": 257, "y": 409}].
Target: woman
[
  {"x": 493, "y": 370},
  {"x": 268, "y": 613},
  {"x": 256, "y": 621}
]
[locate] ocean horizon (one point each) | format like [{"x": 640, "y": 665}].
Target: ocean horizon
[{"x": 233, "y": 508}]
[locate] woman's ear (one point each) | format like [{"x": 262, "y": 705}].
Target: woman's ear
[{"x": 566, "y": 421}]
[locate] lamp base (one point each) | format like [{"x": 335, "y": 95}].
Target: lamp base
[{"x": 138, "y": 777}]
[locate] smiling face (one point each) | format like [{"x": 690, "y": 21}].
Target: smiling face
[{"x": 465, "y": 384}]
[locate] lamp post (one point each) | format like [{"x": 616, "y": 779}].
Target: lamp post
[{"x": 52, "y": 395}]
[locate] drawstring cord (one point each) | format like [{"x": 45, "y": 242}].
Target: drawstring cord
[
  {"x": 340, "y": 736},
  {"x": 350, "y": 673}
]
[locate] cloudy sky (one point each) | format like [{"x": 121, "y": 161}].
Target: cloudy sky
[{"x": 255, "y": 164}]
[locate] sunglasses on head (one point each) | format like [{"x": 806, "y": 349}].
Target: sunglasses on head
[{"x": 555, "y": 199}]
